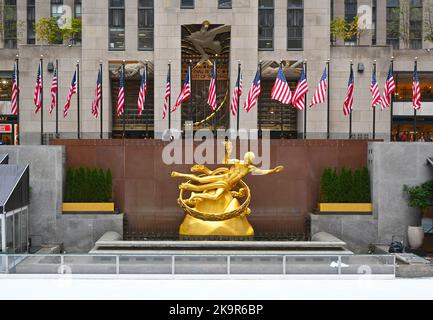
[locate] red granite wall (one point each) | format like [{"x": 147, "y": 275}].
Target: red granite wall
[{"x": 144, "y": 190}]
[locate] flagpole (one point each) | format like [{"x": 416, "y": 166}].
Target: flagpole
[
  {"x": 259, "y": 111},
  {"x": 305, "y": 102},
  {"x": 281, "y": 110},
  {"x": 216, "y": 87},
  {"x": 169, "y": 98},
  {"x": 17, "y": 75},
  {"x": 414, "y": 109},
  {"x": 328, "y": 111},
  {"x": 57, "y": 100},
  {"x": 144, "y": 104},
  {"x": 42, "y": 99},
  {"x": 124, "y": 106},
  {"x": 101, "y": 134},
  {"x": 392, "y": 101},
  {"x": 350, "y": 113},
  {"x": 238, "y": 115},
  {"x": 78, "y": 100},
  {"x": 191, "y": 111},
  {"x": 374, "y": 107}
]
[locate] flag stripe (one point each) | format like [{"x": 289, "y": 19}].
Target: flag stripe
[
  {"x": 281, "y": 90},
  {"x": 167, "y": 96},
  {"x": 254, "y": 93},
  {"x": 72, "y": 91},
  {"x": 54, "y": 88},
  {"x": 14, "y": 99},
  {"x": 320, "y": 94},
  {"x": 185, "y": 94}
]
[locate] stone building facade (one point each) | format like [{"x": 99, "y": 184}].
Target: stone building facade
[{"x": 245, "y": 17}]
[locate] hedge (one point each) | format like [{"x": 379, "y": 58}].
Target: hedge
[
  {"x": 88, "y": 185},
  {"x": 345, "y": 186}
]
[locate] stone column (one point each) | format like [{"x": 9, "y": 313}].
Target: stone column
[
  {"x": 339, "y": 13},
  {"x": 43, "y": 10},
  {"x": 21, "y": 22},
  {"x": 365, "y": 11},
  {"x": 381, "y": 22}
]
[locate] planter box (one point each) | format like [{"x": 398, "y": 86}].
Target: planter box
[
  {"x": 346, "y": 208},
  {"x": 80, "y": 207}
]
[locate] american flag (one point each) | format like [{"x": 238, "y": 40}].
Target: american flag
[
  {"x": 389, "y": 89},
  {"x": 98, "y": 95},
  {"x": 320, "y": 95},
  {"x": 281, "y": 90},
  {"x": 301, "y": 90},
  {"x": 142, "y": 93},
  {"x": 348, "y": 102},
  {"x": 253, "y": 94},
  {"x": 54, "y": 86},
  {"x": 374, "y": 88},
  {"x": 167, "y": 96},
  {"x": 185, "y": 94},
  {"x": 38, "y": 91},
  {"x": 212, "y": 99},
  {"x": 234, "y": 105},
  {"x": 120, "y": 107},
  {"x": 416, "y": 90},
  {"x": 14, "y": 100},
  {"x": 72, "y": 91}
]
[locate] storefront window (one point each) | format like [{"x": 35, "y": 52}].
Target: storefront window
[
  {"x": 5, "y": 85},
  {"x": 404, "y": 86}
]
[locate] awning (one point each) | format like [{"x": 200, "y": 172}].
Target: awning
[
  {"x": 14, "y": 187},
  {"x": 4, "y": 158}
]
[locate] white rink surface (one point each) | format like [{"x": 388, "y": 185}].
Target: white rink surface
[{"x": 85, "y": 289}]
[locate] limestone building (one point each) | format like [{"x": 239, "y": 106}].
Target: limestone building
[{"x": 158, "y": 32}]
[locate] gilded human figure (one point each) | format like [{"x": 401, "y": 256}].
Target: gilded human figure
[{"x": 214, "y": 207}]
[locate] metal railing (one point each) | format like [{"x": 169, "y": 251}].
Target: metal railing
[{"x": 217, "y": 264}]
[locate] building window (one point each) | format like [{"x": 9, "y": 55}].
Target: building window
[
  {"x": 31, "y": 19},
  {"x": 374, "y": 23},
  {"x": 393, "y": 23},
  {"x": 56, "y": 8},
  {"x": 350, "y": 12},
  {"x": 117, "y": 24},
  {"x": 57, "y": 12},
  {"x": 10, "y": 24},
  {"x": 266, "y": 24},
  {"x": 5, "y": 85},
  {"x": 403, "y": 82},
  {"x": 224, "y": 4},
  {"x": 295, "y": 24},
  {"x": 416, "y": 24},
  {"x": 145, "y": 24},
  {"x": 77, "y": 15},
  {"x": 187, "y": 4}
]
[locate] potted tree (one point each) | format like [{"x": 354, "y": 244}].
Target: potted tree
[{"x": 419, "y": 197}]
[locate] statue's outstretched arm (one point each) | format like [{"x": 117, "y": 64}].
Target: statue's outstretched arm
[
  {"x": 258, "y": 171},
  {"x": 192, "y": 177},
  {"x": 207, "y": 171}
]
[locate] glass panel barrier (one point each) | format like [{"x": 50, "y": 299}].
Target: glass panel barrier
[
  {"x": 90, "y": 264},
  {"x": 256, "y": 265},
  {"x": 200, "y": 265},
  {"x": 145, "y": 264},
  {"x": 312, "y": 265},
  {"x": 365, "y": 265}
]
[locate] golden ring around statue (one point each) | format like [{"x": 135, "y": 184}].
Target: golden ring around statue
[{"x": 242, "y": 210}]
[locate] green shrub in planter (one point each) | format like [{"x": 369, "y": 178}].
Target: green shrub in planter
[
  {"x": 88, "y": 185},
  {"x": 345, "y": 186}
]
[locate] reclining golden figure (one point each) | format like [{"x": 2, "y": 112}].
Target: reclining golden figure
[{"x": 214, "y": 207}]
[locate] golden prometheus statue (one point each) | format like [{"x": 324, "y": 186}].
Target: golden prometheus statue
[{"x": 218, "y": 200}]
